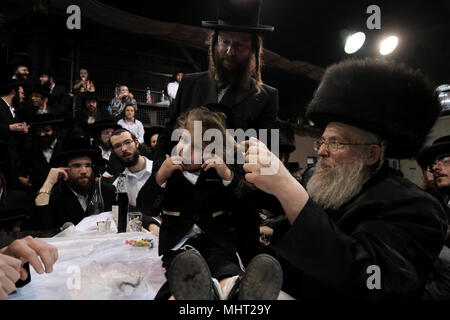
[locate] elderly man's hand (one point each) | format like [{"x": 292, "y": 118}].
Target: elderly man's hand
[
  {"x": 33, "y": 250},
  {"x": 263, "y": 168},
  {"x": 268, "y": 174}
]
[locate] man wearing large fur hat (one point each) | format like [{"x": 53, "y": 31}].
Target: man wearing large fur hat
[{"x": 358, "y": 230}]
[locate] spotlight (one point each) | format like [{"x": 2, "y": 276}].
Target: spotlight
[
  {"x": 354, "y": 42},
  {"x": 388, "y": 45}
]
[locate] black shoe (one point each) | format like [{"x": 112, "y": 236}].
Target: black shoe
[
  {"x": 262, "y": 279},
  {"x": 189, "y": 277}
]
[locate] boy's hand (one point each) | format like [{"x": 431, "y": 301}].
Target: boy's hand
[
  {"x": 167, "y": 168},
  {"x": 221, "y": 168}
]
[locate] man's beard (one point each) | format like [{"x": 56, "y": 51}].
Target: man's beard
[
  {"x": 21, "y": 77},
  {"x": 82, "y": 186},
  {"x": 105, "y": 146},
  {"x": 333, "y": 186},
  {"x": 238, "y": 76},
  {"x": 46, "y": 141},
  {"x": 133, "y": 161}
]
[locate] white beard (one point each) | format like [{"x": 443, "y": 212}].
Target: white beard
[{"x": 331, "y": 187}]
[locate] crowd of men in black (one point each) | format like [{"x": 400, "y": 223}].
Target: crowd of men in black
[
  {"x": 37, "y": 118},
  {"x": 351, "y": 228}
]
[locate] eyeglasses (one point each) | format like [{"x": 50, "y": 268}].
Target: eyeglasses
[
  {"x": 126, "y": 143},
  {"x": 334, "y": 145},
  {"x": 77, "y": 166},
  {"x": 442, "y": 161}
]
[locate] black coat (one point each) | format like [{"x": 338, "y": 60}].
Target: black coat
[
  {"x": 392, "y": 224},
  {"x": 10, "y": 142},
  {"x": 60, "y": 101},
  {"x": 249, "y": 110},
  {"x": 16, "y": 207},
  {"x": 80, "y": 125},
  {"x": 36, "y": 166},
  {"x": 184, "y": 204},
  {"x": 65, "y": 207}
]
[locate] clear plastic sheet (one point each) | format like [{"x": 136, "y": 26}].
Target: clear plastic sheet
[{"x": 94, "y": 266}]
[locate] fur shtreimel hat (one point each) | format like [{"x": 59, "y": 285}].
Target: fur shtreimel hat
[{"x": 390, "y": 100}]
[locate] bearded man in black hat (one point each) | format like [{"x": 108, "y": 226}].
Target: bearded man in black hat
[
  {"x": 151, "y": 138},
  {"x": 20, "y": 70},
  {"x": 358, "y": 230},
  {"x": 40, "y": 96},
  {"x": 59, "y": 96},
  {"x": 436, "y": 160},
  {"x": 90, "y": 112},
  {"x": 39, "y": 155},
  {"x": 12, "y": 129},
  {"x": 72, "y": 191},
  {"x": 234, "y": 75},
  {"x": 101, "y": 132}
]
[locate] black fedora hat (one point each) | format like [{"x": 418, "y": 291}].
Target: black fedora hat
[
  {"x": 45, "y": 119},
  {"x": 90, "y": 96},
  {"x": 293, "y": 166},
  {"x": 47, "y": 71},
  {"x": 238, "y": 16},
  {"x": 153, "y": 130},
  {"x": 103, "y": 124},
  {"x": 6, "y": 84},
  {"x": 427, "y": 155},
  {"x": 73, "y": 147},
  {"x": 18, "y": 62},
  {"x": 149, "y": 132},
  {"x": 43, "y": 90},
  {"x": 287, "y": 138}
]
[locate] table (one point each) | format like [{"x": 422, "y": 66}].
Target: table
[{"x": 95, "y": 266}]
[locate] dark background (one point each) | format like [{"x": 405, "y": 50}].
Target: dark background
[{"x": 310, "y": 31}]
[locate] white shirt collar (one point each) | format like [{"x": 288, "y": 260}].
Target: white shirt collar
[
  {"x": 148, "y": 168},
  {"x": 105, "y": 154},
  {"x": 191, "y": 176},
  {"x": 42, "y": 111}
]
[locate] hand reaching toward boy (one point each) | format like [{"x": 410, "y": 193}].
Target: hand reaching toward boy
[
  {"x": 167, "y": 168},
  {"x": 221, "y": 168}
]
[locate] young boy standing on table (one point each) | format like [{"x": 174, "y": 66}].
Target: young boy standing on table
[{"x": 203, "y": 229}]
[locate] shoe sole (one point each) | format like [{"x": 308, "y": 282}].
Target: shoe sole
[
  {"x": 262, "y": 279},
  {"x": 189, "y": 277}
]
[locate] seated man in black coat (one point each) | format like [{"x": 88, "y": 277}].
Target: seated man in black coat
[
  {"x": 91, "y": 111},
  {"x": 436, "y": 159},
  {"x": 40, "y": 151},
  {"x": 15, "y": 205},
  {"x": 59, "y": 97},
  {"x": 72, "y": 191},
  {"x": 358, "y": 230}
]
